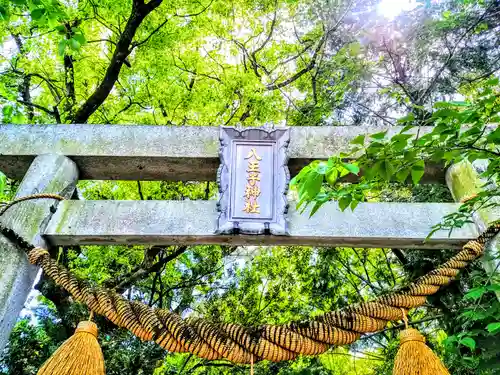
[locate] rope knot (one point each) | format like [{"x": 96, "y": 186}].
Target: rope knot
[
  {"x": 411, "y": 334},
  {"x": 36, "y": 254}
]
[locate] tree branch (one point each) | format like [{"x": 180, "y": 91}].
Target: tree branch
[
  {"x": 69, "y": 82},
  {"x": 195, "y": 14},
  {"x": 139, "y": 189},
  {"x": 351, "y": 271},
  {"x": 375, "y": 113},
  {"x": 401, "y": 257},
  {"x": 402, "y": 325},
  {"x": 209, "y": 364},
  {"x": 101, "y": 40},
  {"x": 143, "y": 272},
  {"x": 312, "y": 63},
  {"x": 269, "y": 35},
  {"x": 137, "y": 15},
  {"x": 145, "y": 40},
  {"x": 452, "y": 53},
  {"x": 53, "y": 113},
  {"x": 185, "y": 69},
  {"x": 24, "y": 87}
]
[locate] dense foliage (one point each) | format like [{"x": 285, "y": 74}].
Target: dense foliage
[{"x": 305, "y": 62}]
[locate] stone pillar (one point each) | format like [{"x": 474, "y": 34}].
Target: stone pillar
[
  {"x": 464, "y": 181},
  {"x": 47, "y": 174}
]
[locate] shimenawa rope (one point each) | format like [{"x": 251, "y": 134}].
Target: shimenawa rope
[{"x": 266, "y": 342}]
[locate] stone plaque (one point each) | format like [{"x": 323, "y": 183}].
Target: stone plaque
[{"x": 253, "y": 181}]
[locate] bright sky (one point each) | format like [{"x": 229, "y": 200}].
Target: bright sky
[{"x": 392, "y": 8}]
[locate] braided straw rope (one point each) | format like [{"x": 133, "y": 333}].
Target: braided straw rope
[
  {"x": 6, "y": 206},
  {"x": 266, "y": 342}
]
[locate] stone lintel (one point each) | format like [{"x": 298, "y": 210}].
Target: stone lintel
[
  {"x": 142, "y": 152},
  {"x": 371, "y": 225}
]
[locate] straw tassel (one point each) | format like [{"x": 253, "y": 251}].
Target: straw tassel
[
  {"x": 78, "y": 355},
  {"x": 414, "y": 357}
]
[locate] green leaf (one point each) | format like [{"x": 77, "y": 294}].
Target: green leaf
[
  {"x": 301, "y": 202},
  {"x": 354, "y": 49},
  {"x": 354, "y": 204},
  {"x": 406, "y": 128},
  {"x": 3, "y": 179},
  {"x": 494, "y": 137},
  {"x": 385, "y": 169},
  {"x": 400, "y": 141},
  {"x": 451, "y": 155},
  {"x": 75, "y": 45},
  {"x": 493, "y": 327},
  {"x": 442, "y": 127},
  {"x": 331, "y": 177},
  {"x": 445, "y": 113},
  {"x": 344, "y": 202},
  {"x": 321, "y": 168},
  {"x": 37, "y": 13},
  {"x": 441, "y": 105},
  {"x": 359, "y": 140},
  {"x": 18, "y": 118},
  {"x": 53, "y": 21},
  {"x": 7, "y": 110},
  {"x": 468, "y": 342},
  {"x": 459, "y": 103},
  {"x": 379, "y": 136},
  {"x": 61, "y": 48},
  {"x": 417, "y": 171},
  {"x": 492, "y": 81},
  {"x": 374, "y": 147},
  {"x": 408, "y": 118},
  {"x": 312, "y": 185},
  {"x": 402, "y": 175},
  {"x": 475, "y": 293},
  {"x": 410, "y": 155},
  {"x": 472, "y": 315},
  {"x": 424, "y": 140},
  {"x": 353, "y": 168},
  {"x": 494, "y": 287},
  {"x": 316, "y": 207},
  {"x": 80, "y": 38},
  {"x": 4, "y": 14},
  {"x": 302, "y": 174}
]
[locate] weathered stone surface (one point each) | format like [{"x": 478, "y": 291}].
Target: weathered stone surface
[
  {"x": 464, "y": 181},
  {"x": 402, "y": 225},
  {"x": 47, "y": 174},
  {"x": 139, "y": 152}
]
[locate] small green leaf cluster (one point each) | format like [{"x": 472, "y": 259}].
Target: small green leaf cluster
[
  {"x": 74, "y": 39},
  {"x": 475, "y": 346},
  {"x": 311, "y": 179},
  {"x": 48, "y": 15},
  {"x": 43, "y": 13},
  {"x": 460, "y": 131}
]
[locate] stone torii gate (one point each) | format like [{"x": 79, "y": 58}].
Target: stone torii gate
[{"x": 52, "y": 158}]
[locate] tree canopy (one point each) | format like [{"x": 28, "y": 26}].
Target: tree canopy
[{"x": 250, "y": 63}]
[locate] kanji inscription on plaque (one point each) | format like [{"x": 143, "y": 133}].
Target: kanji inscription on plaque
[{"x": 253, "y": 181}]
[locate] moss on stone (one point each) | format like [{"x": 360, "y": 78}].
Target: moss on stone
[
  {"x": 63, "y": 214},
  {"x": 9, "y": 261},
  {"x": 463, "y": 180}
]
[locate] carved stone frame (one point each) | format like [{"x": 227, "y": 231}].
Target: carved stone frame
[{"x": 279, "y": 223}]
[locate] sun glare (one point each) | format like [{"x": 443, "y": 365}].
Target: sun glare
[{"x": 392, "y": 8}]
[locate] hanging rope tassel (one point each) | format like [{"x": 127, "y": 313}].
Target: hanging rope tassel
[
  {"x": 78, "y": 355},
  {"x": 414, "y": 357}
]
